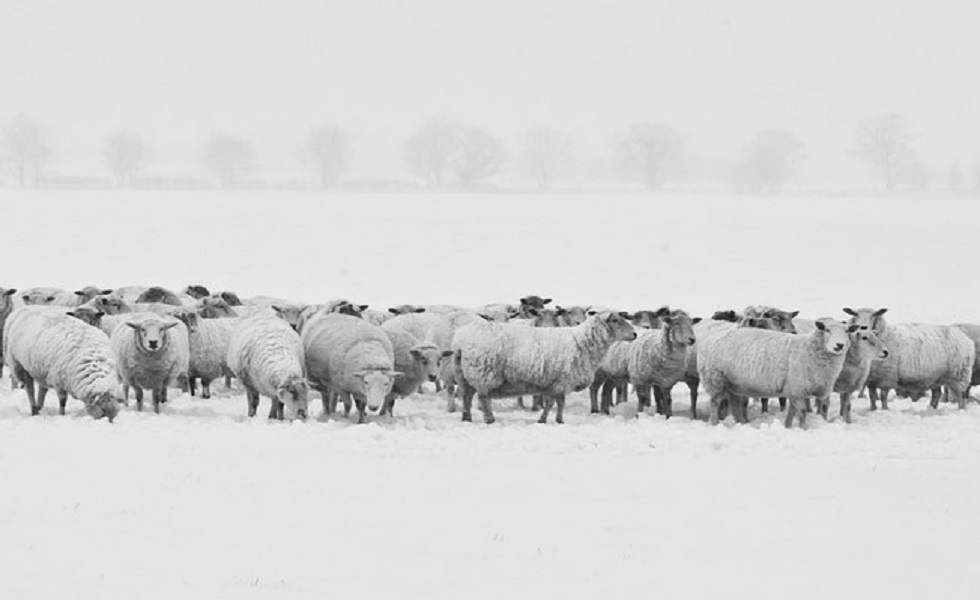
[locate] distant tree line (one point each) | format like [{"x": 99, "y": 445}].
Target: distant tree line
[{"x": 446, "y": 154}]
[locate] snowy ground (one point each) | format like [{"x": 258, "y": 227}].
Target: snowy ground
[{"x": 201, "y": 502}]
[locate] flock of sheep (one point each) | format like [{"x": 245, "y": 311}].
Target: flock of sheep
[{"x": 97, "y": 345}]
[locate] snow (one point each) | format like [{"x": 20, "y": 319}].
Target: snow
[{"x": 202, "y": 502}]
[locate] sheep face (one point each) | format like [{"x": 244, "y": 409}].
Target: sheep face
[
  {"x": 87, "y": 315},
  {"x": 231, "y": 298},
  {"x": 544, "y": 317},
  {"x": 290, "y": 314},
  {"x": 866, "y": 344},
  {"x": 375, "y": 386},
  {"x": 215, "y": 308},
  {"x": 834, "y": 335},
  {"x": 620, "y": 328},
  {"x": 427, "y": 357},
  {"x": 531, "y": 302},
  {"x": 726, "y": 315},
  {"x": 352, "y": 310},
  {"x": 294, "y": 394},
  {"x": 103, "y": 405},
  {"x": 867, "y": 318},
  {"x": 151, "y": 336},
  {"x": 87, "y": 293},
  {"x": 681, "y": 328},
  {"x": 649, "y": 319},
  {"x": 197, "y": 291},
  {"x": 572, "y": 316}
]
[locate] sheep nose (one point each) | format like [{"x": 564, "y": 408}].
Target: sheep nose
[
  {"x": 690, "y": 341},
  {"x": 839, "y": 346},
  {"x": 433, "y": 378},
  {"x": 301, "y": 414},
  {"x": 153, "y": 345},
  {"x": 884, "y": 353}
]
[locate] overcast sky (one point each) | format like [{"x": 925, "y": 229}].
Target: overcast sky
[{"x": 181, "y": 69}]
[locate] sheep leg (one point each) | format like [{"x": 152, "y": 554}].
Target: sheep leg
[
  {"x": 873, "y": 396},
  {"x": 159, "y": 397},
  {"x": 328, "y": 408},
  {"x": 765, "y": 404},
  {"x": 252, "y": 395},
  {"x": 537, "y": 403},
  {"x": 845, "y": 406},
  {"x": 560, "y": 413},
  {"x": 548, "y": 402},
  {"x": 62, "y": 401},
  {"x": 607, "y": 397},
  {"x": 622, "y": 393},
  {"x": 28, "y": 381},
  {"x": 520, "y": 403},
  {"x": 790, "y": 414},
  {"x": 487, "y": 408},
  {"x": 41, "y": 393},
  {"x": 802, "y": 415},
  {"x": 782, "y": 404},
  {"x": 594, "y": 396},
  {"x": 960, "y": 398},
  {"x": 883, "y": 396},
  {"x": 346, "y": 399},
  {"x": 693, "y": 389},
  {"x": 205, "y": 388},
  {"x": 438, "y": 386},
  {"x": 361, "y": 409},
  {"x": 450, "y": 390},
  {"x": 275, "y": 409},
  {"x": 658, "y": 399},
  {"x": 227, "y": 382},
  {"x": 139, "y": 398},
  {"x": 468, "y": 392},
  {"x": 940, "y": 394},
  {"x": 192, "y": 386},
  {"x": 668, "y": 402},
  {"x": 714, "y": 403},
  {"x": 642, "y": 397}
]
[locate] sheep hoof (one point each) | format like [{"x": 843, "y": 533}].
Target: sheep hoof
[{"x": 489, "y": 420}]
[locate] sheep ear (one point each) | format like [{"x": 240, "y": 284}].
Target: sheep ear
[
  {"x": 79, "y": 293},
  {"x": 393, "y": 311},
  {"x": 169, "y": 325},
  {"x": 880, "y": 312},
  {"x": 447, "y": 353},
  {"x": 794, "y": 314},
  {"x": 364, "y": 306},
  {"x": 663, "y": 311},
  {"x": 560, "y": 311},
  {"x": 533, "y": 312},
  {"x": 415, "y": 353},
  {"x": 49, "y": 299},
  {"x": 99, "y": 314},
  {"x": 853, "y": 328},
  {"x": 820, "y": 325},
  {"x": 420, "y": 309},
  {"x": 132, "y": 325},
  {"x": 10, "y": 292},
  {"x": 105, "y": 292},
  {"x": 278, "y": 309},
  {"x": 850, "y": 311},
  {"x": 695, "y": 320},
  {"x": 546, "y": 301},
  {"x": 624, "y": 314},
  {"x": 486, "y": 317},
  {"x": 592, "y": 313}
]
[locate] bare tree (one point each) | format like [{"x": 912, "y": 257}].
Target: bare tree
[
  {"x": 647, "y": 150},
  {"x": 545, "y": 151},
  {"x": 29, "y": 146},
  {"x": 230, "y": 158},
  {"x": 430, "y": 149},
  {"x": 328, "y": 150},
  {"x": 127, "y": 153},
  {"x": 884, "y": 141},
  {"x": 768, "y": 160},
  {"x": 480, "y": 156}
]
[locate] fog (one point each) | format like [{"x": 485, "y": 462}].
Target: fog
[{"x": 717, "y": 71}]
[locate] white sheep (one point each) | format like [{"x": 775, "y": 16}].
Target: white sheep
[
  {"x": 865, "y": 348},
  {"x": 417, "y": 361},
  {"x": 46, "y": 346},
  {"x": 973, "y": 332},
  {"x": 6, "y": 307},
  {"x": 163, "y": 296},
  {"x": 151, "y": 353},
  {"x": 498, "y": 360},
  {"x": 658, "y": 359},
  {"x": 351, "y": 357},
  {"x": 208, "y": 341},
  {"x": 921, "y": 357},
  {"x": 129, "y": 294},
  {"x": 266, "y": 354},
  {"x": 427, "y": 327},
  {"x": 740, "y": 362}
]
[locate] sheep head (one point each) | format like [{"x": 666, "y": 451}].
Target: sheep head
[
  {"x": 102, "y": 405},
  {"x": 231, "y": 298},
  {"x": 197, "y": 291},
  {"x": 426, "y": 357},
  {"x": 680, "y": 327},
  {"x": 291, "y": 314},
  {"x": 294, "y": 394},
  {"x": 868, "y": 318},
  {"x": 212, "y": 307},
  {"x": 866, "y": 344},
  {"x": 833, "y": 335},
  {"x": 376, "y": 385},
  {"x": 87, "y": 315},
  {"x": 619, "y": 326},
  {"x": 151, "y": 334},
  {"x": 111, "y": 305}
]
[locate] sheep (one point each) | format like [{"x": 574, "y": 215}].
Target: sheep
[
  {"x": 349, "y": 356},
  {"x": 404, "y": 309},
  {"x": 528, "y": 303},
  {"x": 150, "y": 356},
  {"x": 971, "y": 331},
  {"x": 161, "y": 295},
  {"x": 54, "y": 350},
  {"x": 742, "y": 362},
  {"x": 208, "y": 341},
  {"x": 109, "y": 305},
  {"x": 48, "y": 296},
  {"x": 427, "y": 327},
  {"x": 129, "y": 294},
  {"x": 375, "y": 317},
  {"x": 266, "y": 354},
  {"x": 500, "y": 360},
  {"x": 417, "y": 362},
  {"x": 231, "y": 298},
  {"x": 500, "y": 313},
  {"x": 88, "y": 315},
  {"x": 865, "y": 347},
  {"x": 659, "y": 359},
  {"x": 921, "y": 357},
  {"x": 196, "y": 291},
  {"x": 6, "y": 307},
  {"x": 292, "y": 314}
]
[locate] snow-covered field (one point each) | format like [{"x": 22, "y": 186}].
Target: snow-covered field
[{"x": 201, "y": 502}]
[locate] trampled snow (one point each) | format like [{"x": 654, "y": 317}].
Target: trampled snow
[{"x": 202, "y": 502}]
